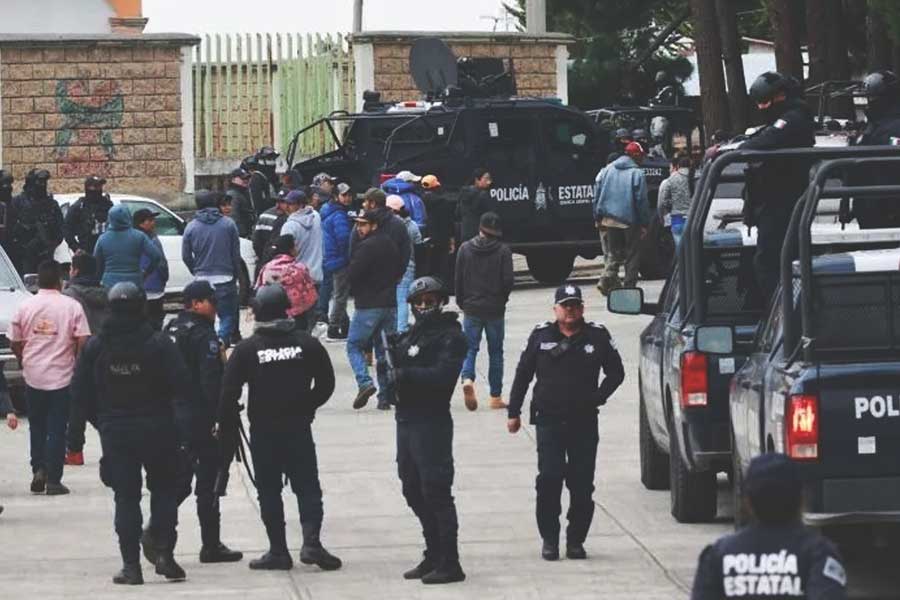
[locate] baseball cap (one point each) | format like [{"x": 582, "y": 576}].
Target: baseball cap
[
  {"x": 395, "y": 202},
  {"x": 94, "y": 180},
  {"x": 634, "y": 149},
  {"x": 343, "y": 188},
  {"x": 568, "y": 292},
  {"x": 430, "y": 182},
  {"x": 490, "y": 224},
  {"x": 142, "y": 215},
  {"x": 199, "y": 289},
  {"x": 369, "y": 216},
  {"x": 376, "y": 195},
  {"x": 408, "y": 176},
  {"x": 295, "y": 197},
  {"x": 321, "y": 178},
  {"x": 240, "y": 172},
  {"x": 772, "y": 475}
]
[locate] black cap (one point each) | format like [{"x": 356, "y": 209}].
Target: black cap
[
  {"x": 772, "y": 475},
  {"x": 490, "y": 224},
  {"x": 368, "y": 216},
  {"x": 240, "y": 172},
  {"x": 567, "y": 292},
  {"x": 42, "y": 174},
  {"x": 6, "y": 177},
  {"x": 198, "y": 290},
  {"x": 94, "y": 180},
  {"x": 142, "y": 215}
]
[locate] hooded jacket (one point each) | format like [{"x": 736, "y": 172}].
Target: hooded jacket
[
  {"x": 306, "y": 227},
  {"x": 294, "y": 277},
  {"x": 374, "y": 271},
  {"x": 92, "y": 297},
  {"x": 242, "y": 209},
  {"x": 156, "y": 280},
  {"x": 472, "y": 203},
  {"x": 484, "y": 277},
  {"x": 211, "y": 245},
  {"x": 395, "y": 228},
  {"x": 119, "y": 249},
  {"x": 411, "y": 200},
  {"x": 675, "y": 193},
  {"x": 621, "y": 193},
  {"x": 336, "y": 229}
]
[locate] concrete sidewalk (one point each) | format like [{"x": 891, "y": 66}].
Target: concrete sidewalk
[{"x": 55, "y": 547}]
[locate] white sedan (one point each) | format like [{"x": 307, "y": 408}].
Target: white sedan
[{"x": 169, "y": 228}]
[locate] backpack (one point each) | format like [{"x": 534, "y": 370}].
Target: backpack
[{"x": 294, "y": 277}]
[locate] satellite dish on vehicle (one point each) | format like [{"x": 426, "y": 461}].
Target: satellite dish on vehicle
[{"x": 433, "y": 66}]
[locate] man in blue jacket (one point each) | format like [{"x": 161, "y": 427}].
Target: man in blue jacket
[
  {"x": 155, "y": 283},
  {"x": 622, "y": 211},
  {"x": 211, "y": 251},
  {"x": 336, "y": 230},
  {"x": 119, "y": 250},
  {"x": 405, "y": 185}
]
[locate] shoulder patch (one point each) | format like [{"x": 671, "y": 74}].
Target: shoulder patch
[
  {"x": 543, "y": 325},
  {"x": 596, "y": 325},
  {"x": 213, "y": 347},
  {"x": 780, "y": 124},
  {"x": 834, "y": 570}
]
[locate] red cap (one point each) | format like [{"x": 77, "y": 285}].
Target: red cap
[{"x": 634, "y": 149}]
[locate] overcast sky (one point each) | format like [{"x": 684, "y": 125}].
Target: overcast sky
[{"x": 227, "y": 16}]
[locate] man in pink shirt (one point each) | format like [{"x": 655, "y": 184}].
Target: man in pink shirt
[{"x": 46, "y": 333}]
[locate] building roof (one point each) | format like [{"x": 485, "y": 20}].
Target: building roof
[{"x": 16, "y": 39}]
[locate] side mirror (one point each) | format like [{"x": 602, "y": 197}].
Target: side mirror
[
  {"x": 715, "y": 339},
  {"x": 625, "y": 301},
  {"x": 31, "y": 282}
]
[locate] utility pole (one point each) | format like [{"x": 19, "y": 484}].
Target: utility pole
[
  {"x": 357, "y": 15},
  {"x": 536, "y": 16}
]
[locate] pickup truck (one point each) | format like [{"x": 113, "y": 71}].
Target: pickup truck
[
  {"x": 703, "y": 331},
  {"x": 12, "y": 294},
  {"x": 822, "y": 383}
]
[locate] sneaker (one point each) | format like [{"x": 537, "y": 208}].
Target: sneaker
[
  {"x": 39, "y": 482},
  {"x": 362, "y": 398},
  {"x": 469, "y": 394},
  {"x": 57, "y": 489},
  {"x": 74, "y": 459},
  {"x": 575, "y": 552},
  {"x": 319, "y": 329}
]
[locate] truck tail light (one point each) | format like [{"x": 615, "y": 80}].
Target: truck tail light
[
  {"x": 694, "y": 382},
  {"x": 803, "y": 427},
  {"x": 384, "y": 177}
]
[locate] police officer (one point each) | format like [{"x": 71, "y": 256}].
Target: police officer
[
  {"x": 194, "y": 334},
  {"x": 264, "y": 183},
  {"x": 623, "y": 138},
  {"x": 6, "y": 212},
  {"x": 38, "y": 227},
  {"x": 268, "y": 229},
  {"x": 882, "y": 90},
  {"x": 427, "y": 359},
  {"x": 775, "y": 556},
  {"x": 290, "y": 376},
  {"x": 774, "y": 187},
  {"x": 242, "y": 209},
  {"x": 566, "y": 356},
  {"x": 86, "y": 219},
  {"x": 133, "y": 387}
]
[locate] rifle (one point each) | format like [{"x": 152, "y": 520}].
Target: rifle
[
  {"x": 391, "y": 395},
  {"x": 233, "y": 445}
]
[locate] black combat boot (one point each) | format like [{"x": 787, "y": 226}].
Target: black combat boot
[
  {"x": 129, "y": 575},
  {"x": 448, "y": 571},
  {"x": 313, "y": 553},
  {"x": 219, "y": 553},
  {"x": 168, "y": 568},
  {"x": 273, "y": 561},
  {"x": 421, "y": 570},
  {"x": 550, "y": 550},
  {"x": 212, "y": 549},
  {"x": 575, "y": 551},
  {"x": 148, "y": 544}
]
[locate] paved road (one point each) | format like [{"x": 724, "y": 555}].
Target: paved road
[{"x": 65, "y": 546}]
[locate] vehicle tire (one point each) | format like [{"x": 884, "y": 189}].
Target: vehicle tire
[
  {"x": 741, "y": 514},
  {"x": 693, "y": 494},
  {"x": 550, "y": 267},
  {"x": 657, "y": 251},
  {"x": 244, "y": 286},
  {"x": 654, "y": 462}
]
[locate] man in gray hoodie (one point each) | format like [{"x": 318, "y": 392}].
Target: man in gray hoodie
[
  {"x": 306, "y": 227},
  {"x": 210, "y": 249}
]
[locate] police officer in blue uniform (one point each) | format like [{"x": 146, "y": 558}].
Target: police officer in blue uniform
[
  {"x": 773, "y": 187},
  {"x": 194, "y": 333},
  {"x": 775, "y": 556},
  {"x": 426, "y": 361},
  {"x": 289, "y": 375},
  {"x": 566, "y": 356},
  {"x": 133, "y": 387}
]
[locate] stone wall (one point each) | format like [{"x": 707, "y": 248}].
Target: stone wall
[{"x": 111, "y": 107}]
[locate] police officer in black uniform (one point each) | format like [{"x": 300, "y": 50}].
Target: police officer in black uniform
[
  {"x": 86, "y": 218},
  {"x": 775, "y": 556},
  {"x": 133, "y": 387},
  {"x": 882, "y": 90},
  {"x": 6, "y": 212},
  {"x": 194, "y": 334},
  {"x": 774, "y": 187},
  {"x": 38, "y": 227},
  {"x": 242, "y": 209},
  {"x": 566, "y": 356},
  {"x": 290, "y": 376},
  {"x": 264, "y": 183},
  {"x": 426, "y": 361}
]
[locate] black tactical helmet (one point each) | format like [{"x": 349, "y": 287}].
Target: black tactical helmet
[
  {"x": 6, "y": 178},
  {"x": 426, "y": 284},
  {"x": 769, "y": 84},
  {"x": 270, "y": 303},
  {"x": 639, "y": 134},
  {"x": 881, "y": 84},
  {"x": 126, "y": 298}
]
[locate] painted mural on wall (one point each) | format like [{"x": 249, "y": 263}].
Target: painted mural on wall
[{"x": 97, "y": 106}]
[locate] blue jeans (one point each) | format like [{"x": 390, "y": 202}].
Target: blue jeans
[
  {"x": 365, "y": 331},
  {"x": 48, "y": 415},
  {"x": 402, "y": 304},
  {"x": 678, "y": 222},
  {"x": 227, "y": 309},
  {"x": 494, "y": 330},
  {"x": 325, "y": 290}
]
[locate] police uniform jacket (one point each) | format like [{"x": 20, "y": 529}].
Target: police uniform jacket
[
  {"x": 198, "y": 343},
  {"x": 129, "y": 372},
  {"x": 288, "y": 372},
  {"x": 782, "y": 182},
  {"x": 38, "y": 228},
  {"x": 873, "y": 212},
  {"x": 770, "y": 562},
  {"x": 85, "y": 221},
  {"x": 242, "y": 210},
  {"x": 568, "y": 371},
  {"x": 267, "y": 230},
  {"x": 429, "y": 357}
]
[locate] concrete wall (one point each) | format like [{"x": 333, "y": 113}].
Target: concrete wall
[
  {"x": 111, "y": 107},
  {"x": 56, "y": 16}
]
